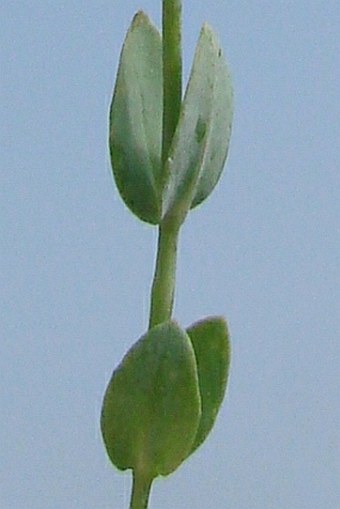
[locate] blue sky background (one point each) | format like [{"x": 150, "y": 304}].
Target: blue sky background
[{"x": 76, "y": 266}]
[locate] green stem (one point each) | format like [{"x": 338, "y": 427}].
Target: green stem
[
  {"x": 172, "y": 70},
  {"x": 162, "y": 294},
  {"x": 163, "y": 287},
  {"x": 140, "y": 491}
]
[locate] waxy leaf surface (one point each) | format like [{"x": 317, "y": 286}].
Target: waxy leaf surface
[
  {"x": 199, "y": 146},
  {"x": 136, "y": 120},
  {"x": 219, "y": 135},
  {"x": 152, "y": 406},
  {"x": 210, "y": 340}
]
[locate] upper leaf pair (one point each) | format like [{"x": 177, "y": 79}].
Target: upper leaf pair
[{"x": 200, "y": 144}]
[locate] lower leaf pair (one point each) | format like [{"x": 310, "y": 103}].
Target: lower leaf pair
[{"x": 162, "y": 400}]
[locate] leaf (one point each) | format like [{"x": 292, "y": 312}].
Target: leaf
[
  {"x": 151, "y": 408},
  {"x": 199, "y": 146},
  {"x": 219, "y": 135},
  {"x": 136, "y": 120},
  {"x": 210, "y": 340}
]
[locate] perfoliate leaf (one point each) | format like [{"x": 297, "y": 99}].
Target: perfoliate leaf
[
  {"x": 210, "y": 340},
  {"x": 152, "y": 406},
  {"x": 219, "y": 135},
  {"x": 136, "y": 120},
  {"x": 199, "y": 146}
]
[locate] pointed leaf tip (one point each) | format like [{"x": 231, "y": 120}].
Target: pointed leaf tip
[
  {"x": 200, "y": 144},
  {"x": 136, "y": 120}
]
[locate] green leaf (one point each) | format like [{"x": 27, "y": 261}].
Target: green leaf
[
  {"x": 210, "y": 340},
  {"x": 219, "y": 136},
  {"x": 152, "y": 407},
  {"x": 136, "y": 120},
  {"x": 199, "y": 146}
]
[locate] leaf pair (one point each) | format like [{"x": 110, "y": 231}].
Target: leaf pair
[
  {"x": 162, "y": 400},
  {"x": 200, "y": 144}
]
